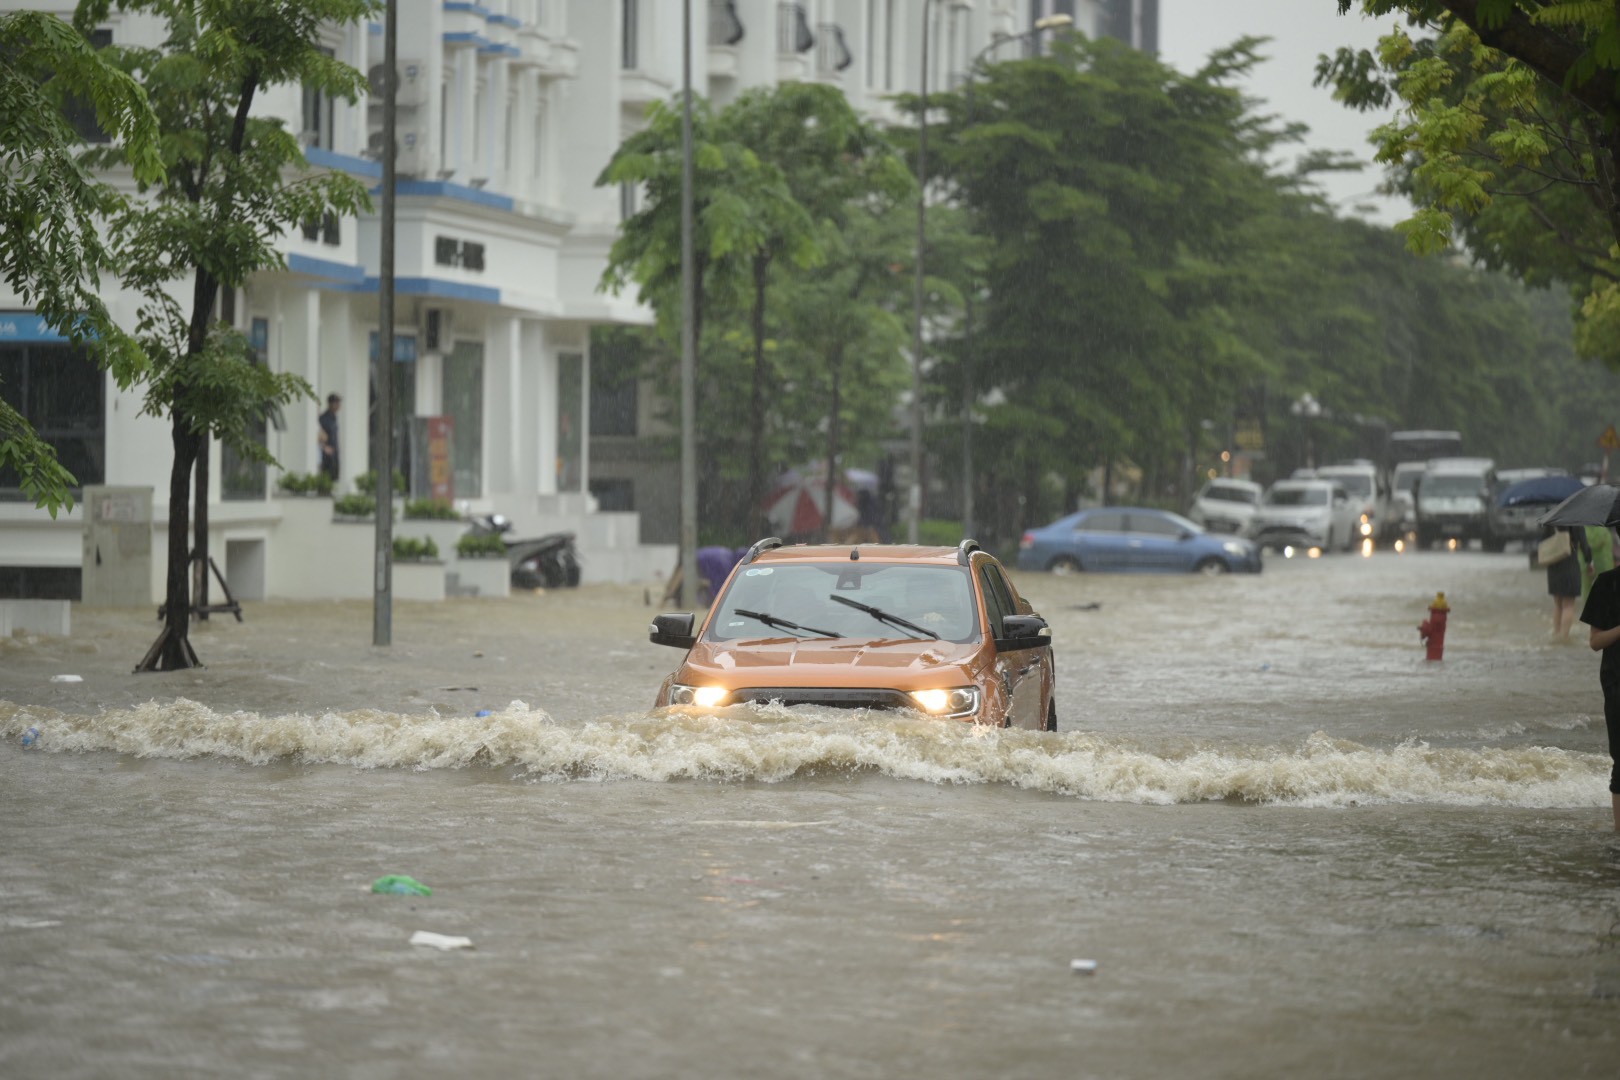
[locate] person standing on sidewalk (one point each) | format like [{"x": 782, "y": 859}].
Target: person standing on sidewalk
[
  {"x": 1602, "y": 614},
  {"x": 327, "y": 436}
]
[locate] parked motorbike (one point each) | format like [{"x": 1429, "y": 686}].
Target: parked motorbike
[{"x": 542, "y": 562}]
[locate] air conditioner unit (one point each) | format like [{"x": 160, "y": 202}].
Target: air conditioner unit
[
  {"x": 411, "y": 144},
  {"x": 436, "y": 329},
  {"x": 411, "y": 91}
]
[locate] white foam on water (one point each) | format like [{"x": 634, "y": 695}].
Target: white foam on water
[{"x": 772, "y": 744}]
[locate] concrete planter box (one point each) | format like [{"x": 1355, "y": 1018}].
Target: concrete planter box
[
  {"x": 441, "y": 532},
  {"x": 481, "y": 577},
  {"x": 418, "y": 580}
]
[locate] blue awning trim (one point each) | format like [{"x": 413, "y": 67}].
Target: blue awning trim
[
  {"x": 464, "y": 5},
  {"x": 505, "y": 20},
  {"x": 326, "y": 268},
  {"x": 437, "y": 287},
  {"x": 443, "y": 189},
  {"x": 26, "y": 326},
  {"x": 466, "y": 37},
  {"x": 499, "y": 50},
  {"x": 349, "y": 163}
]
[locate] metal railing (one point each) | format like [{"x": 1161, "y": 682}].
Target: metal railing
[
  {"x": 832, "y": 51},
  {"x": 725, "y": 27},
  {"x": 793, "y": 35}
]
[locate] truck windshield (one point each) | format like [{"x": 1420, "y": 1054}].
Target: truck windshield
[
  {"x": 1221, "y": 493},
  {"x": 1452, "y": 486},
  {"x": 1358, "y": 484},
  {"x": 940, "y": 598}
]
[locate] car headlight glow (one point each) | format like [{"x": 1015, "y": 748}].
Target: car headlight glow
[
  {"x": 704, "y": 697},
  {"x": 957, "y": 701}
]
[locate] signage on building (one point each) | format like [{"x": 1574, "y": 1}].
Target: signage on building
[
  {"x": 441, "y": 477},
  {"x": 449, "y": 251}
]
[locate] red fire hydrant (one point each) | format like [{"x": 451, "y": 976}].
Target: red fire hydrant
[{"x": 1433, "y": 629}]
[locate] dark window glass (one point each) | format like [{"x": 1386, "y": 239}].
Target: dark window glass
[
  {"x": 1102, "y": 521},
  {"x": 446, "y": 251},
  {"x": 614, "y": 495},
  {"x": 994, "y": 607},
  {"x": 613, "y": 398},
  {"x": 318, "y": 115},
  {"x": 240, "y": 478},
  {"x": 82, "y": 114},
  {"x": 1154, "y": 525},
  {"x": 472, "y": 256},
  {"x": 59, "y": 390}
]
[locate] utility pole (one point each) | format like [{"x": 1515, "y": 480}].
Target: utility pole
[
  {"x": 382, "y": 612},
  {"x": 689, "y": 345},
  {"x": 914, "y": 496}
]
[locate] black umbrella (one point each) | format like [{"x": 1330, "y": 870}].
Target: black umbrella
[{"x": 1596, "y": 505}]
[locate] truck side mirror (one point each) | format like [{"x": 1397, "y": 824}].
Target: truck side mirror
[
  {"x": 674, "y": 630},
  {"x": 1023, "y": 632}
]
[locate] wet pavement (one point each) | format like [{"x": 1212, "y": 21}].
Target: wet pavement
[{"x": 1288, "y": 843}]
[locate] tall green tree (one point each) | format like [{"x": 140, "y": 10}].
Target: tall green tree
[
  {"x": 51, "y": 208},
  {"x": 833, "y": 164},
  {"x": 234, "y": 184},
  {"x": 1507, "y": 136},
  {"x": 1115, "y": 193}
]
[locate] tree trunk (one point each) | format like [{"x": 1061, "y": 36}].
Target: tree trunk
[
  {"x": 756, "y": 404},
  {"x": 172, "y": 649}
]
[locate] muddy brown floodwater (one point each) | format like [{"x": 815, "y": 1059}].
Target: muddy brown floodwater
[{"x": 1289, "y": 844}]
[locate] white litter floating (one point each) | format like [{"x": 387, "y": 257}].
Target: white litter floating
[
  {"x": 67, "y": 678},
  {"x": 1084, "y": 967},
  {"x": 440, "y": 941}
]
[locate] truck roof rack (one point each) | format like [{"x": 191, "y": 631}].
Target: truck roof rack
[
  {"x": 764, "y": 545},
  {"x": 965, "y": 550}
]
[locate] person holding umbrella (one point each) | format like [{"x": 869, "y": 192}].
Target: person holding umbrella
[
  {"x": 1602, "y": 614},
  {"x": 1600, "y": 505}
]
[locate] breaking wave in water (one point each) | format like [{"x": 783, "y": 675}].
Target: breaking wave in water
[{"x": 772, "y": 744}]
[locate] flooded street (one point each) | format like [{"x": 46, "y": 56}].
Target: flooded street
[{"x": 1289, "y": 844}]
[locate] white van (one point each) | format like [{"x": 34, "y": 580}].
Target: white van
[
  {"x": 1370, "y": 492},
  {"x": 1453, "y": 500},
  {"x": 1305, "y": 514}
]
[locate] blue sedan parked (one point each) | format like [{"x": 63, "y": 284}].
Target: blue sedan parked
[{"x": 1132, "y": 539}]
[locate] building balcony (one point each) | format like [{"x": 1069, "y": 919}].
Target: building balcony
[
  {"x": 725, "y": 26},
  {"x": 833, "y": 57}
]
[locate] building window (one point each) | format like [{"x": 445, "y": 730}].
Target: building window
[
  {"x": 243, "y": 478},
  {"x": 614, "y": 496},
  {"x": 319, "y": 115},
  {"x": 570, "y": 421},
  {"x": 463, "y": 388},
  {"x": 57, "y": 388},
  {"x": 630, "y": 59},
  {"x": 614, "y": 398},
  {"x": 82, "y": 114}
]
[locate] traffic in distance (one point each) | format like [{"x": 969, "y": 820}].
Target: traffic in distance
[{"x": 1430, "y": 494}]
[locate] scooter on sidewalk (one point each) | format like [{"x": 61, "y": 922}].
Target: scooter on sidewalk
[{"x": 542, "y": 562}]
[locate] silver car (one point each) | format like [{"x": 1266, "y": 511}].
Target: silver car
[{"x": 1226, "y": 506}]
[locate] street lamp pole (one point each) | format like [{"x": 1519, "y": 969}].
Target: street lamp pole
[{"x": 914, "y": 497}]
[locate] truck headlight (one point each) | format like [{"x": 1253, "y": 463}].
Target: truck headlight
[
  {"x": 958, "y": 701},
  {"x": 704, "y": 697}
]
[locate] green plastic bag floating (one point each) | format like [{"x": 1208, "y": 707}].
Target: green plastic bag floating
[{"x": 400, "y": 885}]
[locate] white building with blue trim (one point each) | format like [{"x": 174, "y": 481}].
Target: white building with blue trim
[{"x": 509, "y": 110}]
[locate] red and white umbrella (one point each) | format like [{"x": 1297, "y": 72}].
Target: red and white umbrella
[{"x": 798, "y": 504}]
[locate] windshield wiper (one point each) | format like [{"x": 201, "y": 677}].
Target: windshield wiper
[
  {"x": 783, "y": 624},
  {"x": 885, "y": 616}
]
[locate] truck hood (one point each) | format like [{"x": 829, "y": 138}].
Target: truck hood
[{"x": 887, "y": 663}]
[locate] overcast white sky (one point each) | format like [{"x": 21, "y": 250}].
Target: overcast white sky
[{"x": 1300, "y": 30}]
